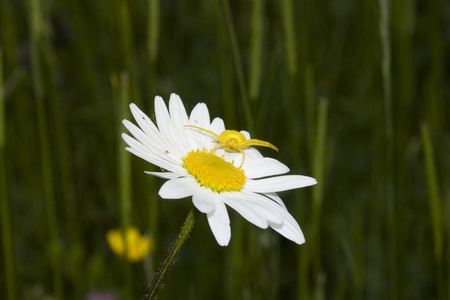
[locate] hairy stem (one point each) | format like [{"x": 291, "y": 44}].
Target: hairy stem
[{"x": 174, "y": 249}]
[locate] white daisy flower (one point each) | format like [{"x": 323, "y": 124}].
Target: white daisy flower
[{"x": 197, "y": 166}]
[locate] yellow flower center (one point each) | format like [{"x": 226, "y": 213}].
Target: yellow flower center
[{"x": 213, "y": 172}]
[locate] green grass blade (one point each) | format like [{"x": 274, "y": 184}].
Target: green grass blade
[
  {"x": 434, "y": 202},
  {"x": 289, "y": 30},
  {"x": 386, "y": 73},
  {"x": 37, "y": 38},
  {"x": 256, "y": 47},
  {"x": 153, "y": 30},
  {"x": 318, "y": 169},
  {"x": 127, "y": 48},
  {"x": 226, "y": 69},
  {"x": 2, "y": 105},
  {"x": 238, "y": 66},
  {"x": 310, "y": 111},
  {"x": 124, "y": 163}
]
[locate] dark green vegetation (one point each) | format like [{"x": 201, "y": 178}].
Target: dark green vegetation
[{"x": 353, "y": 93}]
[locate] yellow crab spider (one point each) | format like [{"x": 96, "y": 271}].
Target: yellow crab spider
[{"x": 234, "y": 141}]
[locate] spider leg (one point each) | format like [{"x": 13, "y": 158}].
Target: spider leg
[
  {"x": 254, "y": 142},
  {"x": 243, "y": 157},
  {"x": 214, "y": 148},
  {"x": 205, "y": 130}
]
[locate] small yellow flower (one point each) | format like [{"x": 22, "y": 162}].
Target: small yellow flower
[{"x": 137, "y": 246}]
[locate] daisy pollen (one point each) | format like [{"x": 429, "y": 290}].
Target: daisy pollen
[
  {"x": 187, "y": 148},
  {"x": 213, "y": 172}
]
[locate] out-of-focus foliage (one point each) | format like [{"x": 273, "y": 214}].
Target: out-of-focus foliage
[{"x": 305, "y": 75}]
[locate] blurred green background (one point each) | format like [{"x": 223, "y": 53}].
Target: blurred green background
[{"x": 354, "y": 93}]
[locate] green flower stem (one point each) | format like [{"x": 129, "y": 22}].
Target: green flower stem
[{"x": 174, "y": 249}]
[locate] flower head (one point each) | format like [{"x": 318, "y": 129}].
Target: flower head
[
  {"x": 187, "y": 148},
  {"x": 137, "y": 246}
]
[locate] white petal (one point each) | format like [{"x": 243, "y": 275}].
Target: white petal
[
  {"x": 200, "y": 117},
  {"x": 276, "y": 198},
  {"x": 263, "y": 167},
  {"x": 252, "y": 153},
  {"x": 135, "y": 144},
  {"x": 162, "y": 116},
  {"x": 203, "y": 200},
  {"x": 246, "y": 134},
  {"x": 265, "y": 206},
  {"x": 146, "y": 144},
  {"x": 164, "y": 160},
  {"x": 166, "y": 127},
  {"x": 201, "y": 138},
  {"x": 157, "y": 161},
  {"x": 217, "y": 126},
  {"x": 289, "y": 229},
  {"x": 178, "y": 188},
  {"x": 177, "y": 109},
  {"x": 146, "y": 124},
  {"x": 234, "y": 200},
  {"x": 179, "y": 119},
  {"x": 231, "y": 156},
  {"x": 165, "y": 175},
  {"x": 219, "y": 222},
  {"x": 221, "y": 205},
  {"x": 143, "y": 138},
  {"x": 280, "y": 183}
]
